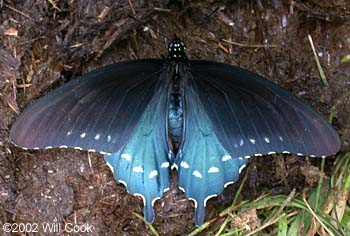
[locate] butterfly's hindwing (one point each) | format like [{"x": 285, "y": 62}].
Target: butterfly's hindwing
[
  {"x": 142, "y": 164},
  {"x": 204, "y": 165}
]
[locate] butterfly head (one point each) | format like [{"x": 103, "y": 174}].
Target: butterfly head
[{"x": 176, "y": 50}]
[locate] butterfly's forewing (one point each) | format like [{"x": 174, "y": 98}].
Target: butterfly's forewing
[
  {"x": 251, "y": 115},
  {"x": 97, "y": 111},
  {"x": 232, "y": 114},
  {"x": 118, "y": 110}
]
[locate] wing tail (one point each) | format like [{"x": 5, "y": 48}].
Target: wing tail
[{"x": 142, "y": 165}]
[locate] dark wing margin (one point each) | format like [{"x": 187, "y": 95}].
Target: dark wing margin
[
  {"x": 253, "y": 116},
  {"x": 97, "y": 111}
]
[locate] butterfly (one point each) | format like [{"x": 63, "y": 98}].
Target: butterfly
[{"x": 204, "y": 118}]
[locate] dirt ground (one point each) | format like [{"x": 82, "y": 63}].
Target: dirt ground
[{"x": 45, "y": 43}]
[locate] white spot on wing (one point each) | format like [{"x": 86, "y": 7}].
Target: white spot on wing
[
  {"x": 228, "y": 183},
  {"x": 63, "y": 146},
  {"x": 252, "y": 141},
  {"x": 83, "y": 135},
  {"x": 174, "y": 166},
  {"x": 109, "y": 138},
  {"x": 286, "y": 152},
  {"x": 184, "y": 164},
  {"x": 97, "y": 137},
  {"x": 154, "y": 200},
  {"x": 267, "y": 140},
  {"x": 213, "y": 169},
  {"x": 126, "y": 156},
  {"x": 182, "y": 189},
  {"x": 169, "y": 155},
  {"x": 110, "y": 167},
  {"x": 123, "y": 183},
  {"x": 197, "y": 174},
  {"x": 258, "y": 154},
  {"x": 226, "y": 158},
  {"x": 78, "y": 148},
  {"x": 137, "y": 169},
  {"x": 166, "y": 190},
  {"x": 48, "y": 147},
  {"x": 270, "y": 153},
  {"x": 241, "y": 143},
  {"x": 207, "y": 198},
  {"x": 241, "y": 168},
  {"x": 141, "y": 196},
  {"x": 153, "y": 174},
  {"x": 91, "y": 150},
  {"x": 246, "y": 157},
  {"x": 300, "y": 154},
  {"x": 195, "y": 202},
  {"x": 165, "y": 165}
]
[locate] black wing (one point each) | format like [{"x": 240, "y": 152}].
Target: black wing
[
  {"x": 252, "y": 116},
  {"x": 98, "y": 111}
]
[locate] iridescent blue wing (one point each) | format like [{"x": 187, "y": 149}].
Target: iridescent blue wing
[
  {"x": 232, "y": 114},
  {"x": 97, "y": 111},
  {"x": 142, "y": 164},
  {"x": 205, "y": 167},
  {"x": 118, "y": 110}
]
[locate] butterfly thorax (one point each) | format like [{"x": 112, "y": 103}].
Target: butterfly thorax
[{"x": 176, "y": 50}]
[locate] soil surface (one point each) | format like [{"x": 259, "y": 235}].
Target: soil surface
[{"x": 45, "y": 43}]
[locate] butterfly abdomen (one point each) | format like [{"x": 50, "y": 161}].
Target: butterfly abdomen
[{"x": 175, "y": 113}]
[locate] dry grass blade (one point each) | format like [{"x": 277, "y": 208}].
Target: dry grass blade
[
  {"x": 316, "y": 216},
  {"x": 319, "y": 67},
  {"x": 250, "y": 45}
]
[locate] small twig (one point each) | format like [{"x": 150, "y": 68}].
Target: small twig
[
  {"x": 250, "y": 45},
  {"x": 104, "y": 13},
  {"x": 319, "y": 67},
  {"x": 132, "y": 7},
  {"x": 316, "y": 217},
  {"x": 202, "y": 227},
  {"x": 54, "y": 5},
  {"x": 153, "y": 230},
  {"x": 30, "y": 41},
  {"x": 162, "y": 9},
  {"x": 90, "y": 163},
  {"x": 18, "y": 11}
]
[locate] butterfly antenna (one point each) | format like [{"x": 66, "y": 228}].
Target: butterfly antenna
[
  {"x": 147, "y": 27},
  {"x": 205, "y": 19}
]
